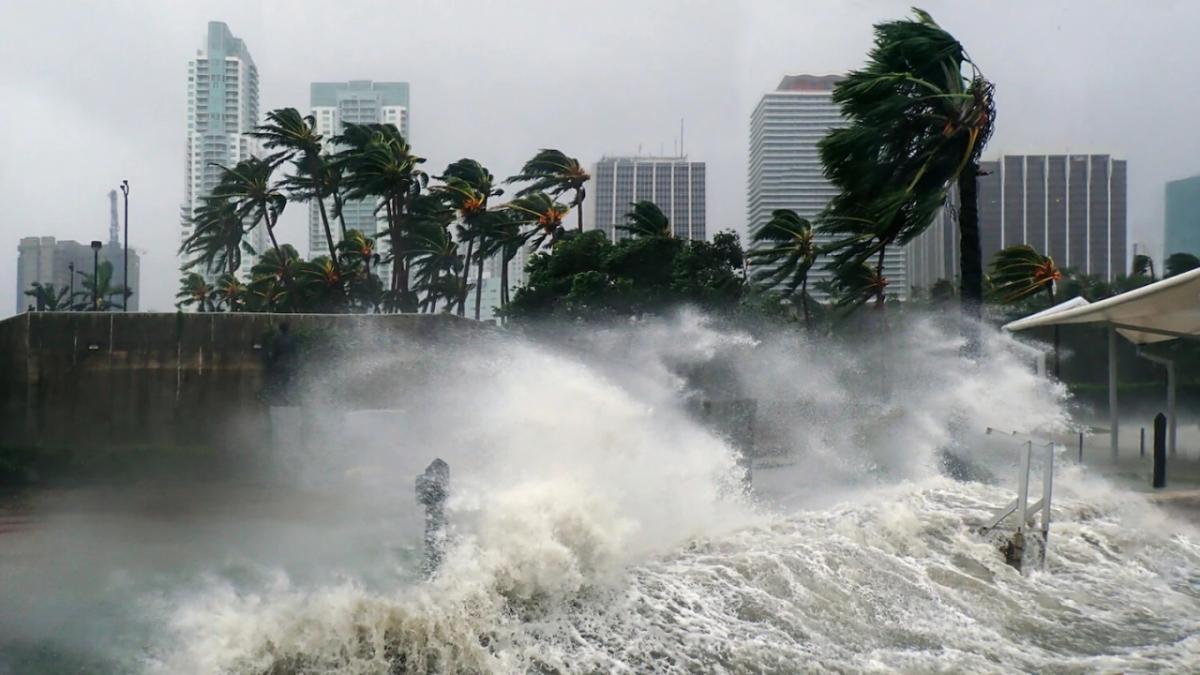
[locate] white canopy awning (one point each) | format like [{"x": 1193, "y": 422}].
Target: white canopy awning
[{"x": 1160, "y": 311}]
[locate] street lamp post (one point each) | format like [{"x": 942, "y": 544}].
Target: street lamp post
[
  {"x": 125, "y": 278},
  {"x": 96, "y": 275},
  {"x": 71, "y": 268}
]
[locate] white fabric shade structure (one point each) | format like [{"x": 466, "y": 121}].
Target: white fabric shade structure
[{"x": 1161, "y": 311}]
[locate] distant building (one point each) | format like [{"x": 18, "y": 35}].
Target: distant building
[
  {"x": 358, "y": 102},
  {"x": 46, "y": 260},
  {"x": 1071, "y": 207},
  {"x": 674, "y": 184},
  {"x": 222, "y": 105},
  {"x": 935, "y": 254},
  {"x": 1182, "y": 226},
  {"x": 785, "y": 165}
]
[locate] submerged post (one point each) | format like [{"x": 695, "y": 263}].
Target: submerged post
[
  {"x": 1160, "y": 451},
  {"x": 433, "y": 487},
  {"x": 1142, "y": 443}
]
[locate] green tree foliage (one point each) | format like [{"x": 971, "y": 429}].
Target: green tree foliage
[
  {"x": 645, "y": 219},
  {"x": 553, "y": 172},
  {"x": 195, "y": 292},
  {"x": 97, "y": 291},
  {"x": 1178, "y": 263},
  {"x": 785, "y": 249},
  {"x": 1019, "y": 271},
  {"x": 587, "y": 277},
  {"x": 47, "y": 298}
]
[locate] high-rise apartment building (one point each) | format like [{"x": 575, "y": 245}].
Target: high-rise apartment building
[
  {"x": 357, "y": 102},
  {"x": 674, "y": 184},
  {"x": 1182, "y": 227},
  {"x": 222, "y": 105},
  {"x": 785, "y": 165},
  {"x": 1070, "y": 207}
]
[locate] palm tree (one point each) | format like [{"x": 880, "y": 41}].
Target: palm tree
[
  {"x": 553, "y": 172},
  {"x": 256, "y": 199},
  {"x": 437, "y": 265},
  {"x": 1019, "y": 272},
  {"x": 917, "y": 126},
  {"x": 378, "y": 163},
  {"x": 540, "y": 210},
  {"x": 218, "y": 237},
  {"x": 645, "y": 219},
  {"x": 194, "y": 290},
  {"x": 98, "y": 290},
  {"x": 272, "y": 279},
  {"x": 468, "y": 187},
  {"x": 319, "y": 285},
  {"x": 49, "y": 298},
  {"x": 296, "y": 139},
  {"x": 1178, "y": 263},
  {"x": 230, "y": 292},
  {"x": 359, "y": 252},
  {"x": 506, "y": 240},
  {"x": 787, "y": 248}
]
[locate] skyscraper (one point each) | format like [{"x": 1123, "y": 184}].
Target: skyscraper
[
  {"x": 356, "y": 102},
  {"x": 1182, "y": 227},
  {"x": 222, "y": 105},
  {"x": 674, "y": 184},
  {"x": 1070, "y": 207},
  {"x": 785, "y": 165}
]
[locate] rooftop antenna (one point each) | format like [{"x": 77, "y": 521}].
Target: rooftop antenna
[{"x": 113, "y": 234}]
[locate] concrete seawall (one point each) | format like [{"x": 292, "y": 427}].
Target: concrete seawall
[{"x": 77, "y": 380}]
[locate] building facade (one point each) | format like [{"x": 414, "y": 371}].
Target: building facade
[
  {"x": 674, "y": 184},
  {"x": 46, "y": 260},
  {"x": 334, "y": 104},
  {"x": 786, "y": 170},
  {"x": 1182, "y": 227},
  {"x": 222, "y": 105},
  {"x": 1070, "y": 207}
]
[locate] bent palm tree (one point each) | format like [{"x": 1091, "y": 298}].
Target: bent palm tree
[
  {"x": 218, "y": 238},
  {"x": 48, "y": 298},
  {"x": 230, "y": 292},
  {"x": 787, "y": 249},
  {"x": 296, "y": 139},
  {"x": 469, "y": 186},
  {"x": 645, "y": 219},
  {"x": 195, "y": 291},
  {"x": 97, "y": 291},
  {"x": 553, "y": 172},
  {"x": 1143, "y": 266},
  {"x": 544, "y": 213},
  {"x": 1018, "y": 272},
  {"x": 1178, "y": 263},
  {"x": 916, "y": 127},
  {"x": 248, "y": 185}
]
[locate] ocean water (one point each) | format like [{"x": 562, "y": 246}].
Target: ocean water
[{"x": 596, "y": 526}]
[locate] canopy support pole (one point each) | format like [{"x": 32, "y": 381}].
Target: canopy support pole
[
  {"x": 1114, "y": 422},
  {"x": 1171, "y": 388}
]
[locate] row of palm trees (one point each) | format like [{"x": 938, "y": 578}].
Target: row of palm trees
[
  {"x": 96, "y": 293},
  {"x": 918, "y": 116},
  {"x": 439, "y": 231}
]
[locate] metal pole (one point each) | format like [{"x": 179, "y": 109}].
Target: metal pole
[
  {"x": 125, "y": 277},
  {"x": 1047, "y": 489},
  {"x": 1160, "y": 451},
  {"x": 1142, "y": 443},
  {"x": 1023, "y": 489},
  {"x": 1081, "y": 447},
  {"x": 71, "y": 267},
  {"x": 95, "y": 275},
  {"x": 1171, "y": 407},
  {"x": 1114, "y": 422}
]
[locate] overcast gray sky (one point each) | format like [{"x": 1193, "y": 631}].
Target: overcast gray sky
[{"x": 94, "y": 92}]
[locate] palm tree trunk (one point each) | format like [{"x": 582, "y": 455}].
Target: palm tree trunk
[
  {"x": 478, "y": 285},
  {"x": 337, "y": 202},
  {"x": 462, "y": 296},
  {"x": 579, "y": 196},
  {"x": 271, "y": 232},
  {"x": 504, "y": 259},
  {"x": 804, "y": 302},
  {"x": 970, "y": 253},
  {"x": 879, "y": 294}
]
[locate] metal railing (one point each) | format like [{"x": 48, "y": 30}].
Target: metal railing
[{"x": 1027, "y": 513}]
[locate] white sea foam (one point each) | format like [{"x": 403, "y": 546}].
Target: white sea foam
[{"x": 599, "y": 528}]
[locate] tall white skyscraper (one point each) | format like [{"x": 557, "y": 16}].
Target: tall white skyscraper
[
  {"x": 674, "y": 184},
  {"x": 222, "y": 105},
  {"x": 785, "y": 164},
  {"x": 358, "y": 102}
]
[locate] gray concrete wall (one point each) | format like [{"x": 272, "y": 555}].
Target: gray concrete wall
[{"x": 77, "y": 380}]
